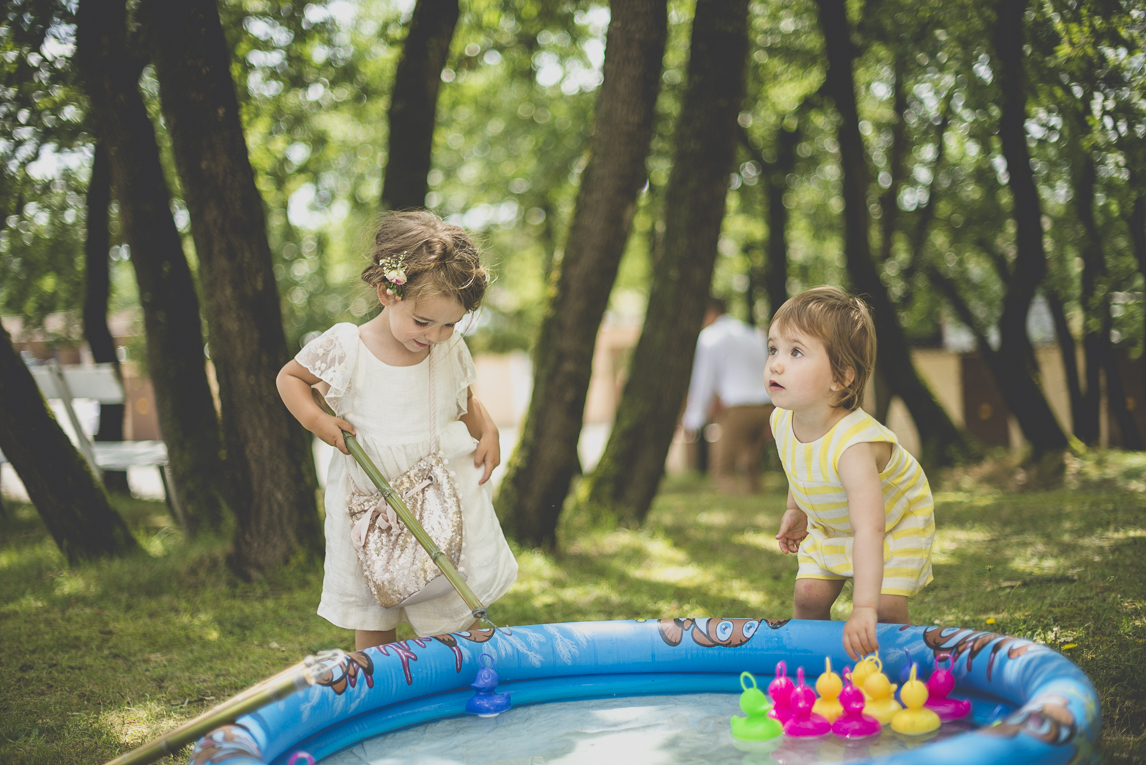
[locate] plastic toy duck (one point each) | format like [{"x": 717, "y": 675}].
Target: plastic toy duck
[
  {"x": 881, "y": 703},
  {"x": 939, "y": 685},
  {"x": 780, "y": 691},
  {"x": 757, "y": 726},
  {"x": 916, "y": 719},
  {"x": 486, "y": 703},
  {"x": 829, "y": 686},
  {"x": 805, "y": 723},
  {"x": 853, "y": 723},
  {"x": 864, "y": 669}
]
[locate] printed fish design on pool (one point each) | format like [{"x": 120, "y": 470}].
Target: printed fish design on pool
[
  {"x": 972, "y": 643},
  {"x": 450, "y": 641},
  {"x": 229, "y": 742},
  {"x": 347, "y": 675},
  {"x": 709, "y": 633},
  {"x": 1047, "y": 718}
]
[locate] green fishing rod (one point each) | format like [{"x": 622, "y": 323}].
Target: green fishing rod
[{"x": 291, "y": 680}]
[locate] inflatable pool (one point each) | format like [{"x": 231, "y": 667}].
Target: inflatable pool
[{"x": 1031, "y": 704}]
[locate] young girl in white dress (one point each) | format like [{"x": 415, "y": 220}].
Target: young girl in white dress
[
  {"x": 376, "y": 377},
  {"x": 859, "y": 505}
]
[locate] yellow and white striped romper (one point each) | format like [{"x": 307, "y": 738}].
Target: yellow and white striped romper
[{"x": 813, "y": 475}]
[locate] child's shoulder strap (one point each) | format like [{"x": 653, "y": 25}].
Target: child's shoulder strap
[{"x": 857, "y": 428}]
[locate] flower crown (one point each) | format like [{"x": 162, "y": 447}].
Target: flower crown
[{"x": 394, "y": 273}]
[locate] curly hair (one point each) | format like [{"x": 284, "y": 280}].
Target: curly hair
[
  {"x": 844, "y": 325},
  {"x": 439, "y": 258}
]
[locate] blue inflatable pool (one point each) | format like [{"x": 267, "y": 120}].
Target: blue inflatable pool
[{"x": 1044, "y": 708}]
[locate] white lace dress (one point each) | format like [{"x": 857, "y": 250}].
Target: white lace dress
[{"x": 390, "y": 410}]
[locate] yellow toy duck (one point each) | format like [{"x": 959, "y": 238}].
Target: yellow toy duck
[
  {"x": 880, "y": 692},
  {"x": 829, "y": 686},
  {"x": 916, "y": 719},
  {"x": 864, "y": 669}
]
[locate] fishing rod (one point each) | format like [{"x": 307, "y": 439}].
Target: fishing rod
[
  {"x": 291, "y": 680},
  {"x": 394, "y": 500}
]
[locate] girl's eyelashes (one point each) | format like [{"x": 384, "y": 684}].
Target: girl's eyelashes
[{"x": 421, "y": 323}]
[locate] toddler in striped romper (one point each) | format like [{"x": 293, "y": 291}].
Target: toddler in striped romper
[{"x": 859, "y": 505}]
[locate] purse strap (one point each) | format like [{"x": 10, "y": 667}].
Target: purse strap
[{"x": 433, "y": 406}]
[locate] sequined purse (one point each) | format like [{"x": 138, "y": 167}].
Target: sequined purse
[{"x": 397, "y": 569}]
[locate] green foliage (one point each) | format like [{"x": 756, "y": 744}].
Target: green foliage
[
  {"x": 106, "y": 656},
  {"x": 42, "y": 162}
]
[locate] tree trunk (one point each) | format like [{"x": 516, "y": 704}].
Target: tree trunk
[
  {"x": 941, "y": 441},
  {"x": 414, "y": 101},
  {"x": 545, "y": 461},
  {"x": 627, "y": 477},
  {"x": 1018, "y": 382},
  {"x": 97, "y": 289},
  {"x": 268, "y": 454},
  {"x": 1137, "y": 224},
  {"x": 1066, "y": 348},
  {"x": 171, "y": 318},
  {"x": 1096, "y": 294},
  {"x": 1095, "y": 309},
  {"x": 68, "y": 497},
  {"x": 775, "y": 181}
]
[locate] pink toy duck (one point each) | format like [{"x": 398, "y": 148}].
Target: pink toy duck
[
  {"x": 805, "y": 723},
  {"x": 780, "y": 691},
  {"x": 853, "y": 723},
  {"x": 939, "y": 685}
]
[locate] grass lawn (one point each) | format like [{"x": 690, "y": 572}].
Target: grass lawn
[{"x": 101, "y": 658}]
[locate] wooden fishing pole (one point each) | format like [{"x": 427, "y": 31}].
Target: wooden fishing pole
[
  {"x": 394, "y": 500},
  {"x": 290, "y": 680}
]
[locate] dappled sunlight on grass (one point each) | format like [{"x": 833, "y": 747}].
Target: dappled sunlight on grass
[
  {"x": 948, "y": 541},
  {"x": 761, "y": 540},
  {"x": 73, "y": 582}
]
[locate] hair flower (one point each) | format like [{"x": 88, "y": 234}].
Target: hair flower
[{"x": 394, "y": 272}]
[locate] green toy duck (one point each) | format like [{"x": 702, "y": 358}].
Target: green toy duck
[
  {"x": 758, "y": 726},
  {"x": 916, "y": 719}
]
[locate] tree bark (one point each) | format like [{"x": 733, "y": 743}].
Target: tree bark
[
  {"x": 1095, "y": 298},
  {"x": 414, "y": 102},
  {"x": 627, "y": 477},
  {"x": 775, "y": 181},
  {"x": 171, "y": 317},
  {"x": 942, "y": 442},
  {"x": 1137, "y": 224},
  {"x": 268, "y": 454},
  {"x": 97, "y": 289},
  {"x": 68, "y": 497},
  {"x": 1018, "y": 382},
  {"x": 545, "y": 461}
]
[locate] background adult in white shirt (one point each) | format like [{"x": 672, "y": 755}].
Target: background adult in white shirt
[{"x": 728, "y": 389}]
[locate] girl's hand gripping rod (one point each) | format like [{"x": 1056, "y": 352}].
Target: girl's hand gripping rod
[{"x": 394, "y": 499}]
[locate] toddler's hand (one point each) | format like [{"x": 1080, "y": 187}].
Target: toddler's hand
[
  {"x": 859, "y": 633},
  {"x": 793, "y": 529},
  {"x": 329, "y": 430},
  {"x": 488, "y": 453}
]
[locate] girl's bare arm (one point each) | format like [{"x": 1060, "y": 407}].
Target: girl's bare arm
[
  {"x": 294, "y": 383},
  {"x": 860, "y": 477},
  {"x": 482, "y": 427}
]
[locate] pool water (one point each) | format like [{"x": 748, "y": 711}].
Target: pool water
[{"x": 644, "y": 730}]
